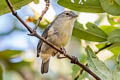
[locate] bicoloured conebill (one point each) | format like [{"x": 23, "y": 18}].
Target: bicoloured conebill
[{"x": 58, "y": 33}]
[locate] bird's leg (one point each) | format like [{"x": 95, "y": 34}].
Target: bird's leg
[{"x": 58, "y": 55}]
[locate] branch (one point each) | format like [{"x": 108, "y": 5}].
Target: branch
[
  {"x": 106, "y": 46},
  {"x": 34, "y": 33},
  {"x": 42, "y": 14}
]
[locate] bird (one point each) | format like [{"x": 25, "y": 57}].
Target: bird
[{"x": 58, "y": 32}]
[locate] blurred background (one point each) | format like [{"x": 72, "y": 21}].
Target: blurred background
[{"x": 18, "y": 50}]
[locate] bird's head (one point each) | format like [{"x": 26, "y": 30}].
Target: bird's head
[{"x": 67, "y": 15}]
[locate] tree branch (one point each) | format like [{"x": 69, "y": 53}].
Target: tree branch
[
  {"x": 34, "y": 33},
  {"x": 42, "y": 14}
]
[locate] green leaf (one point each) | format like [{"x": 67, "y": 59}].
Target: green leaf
[
  {"x": 85, "y": 6},
  {"x": 1, "y": 73},
  {"x": 114, "y": 36},
  {"x": 110, "y": 7},
  {"x": 7, "y": 54},
  {"x": 16, "y": 4},
  {"x": 107, "y": 29},
  {"x": 93, "y": 33},
  {"x": 97, "y": 66},
  {"x": 94, "y": 29},
  {"x": 118, "y": 2}
]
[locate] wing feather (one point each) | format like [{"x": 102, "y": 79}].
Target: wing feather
[{"x": 44, "y": 35}]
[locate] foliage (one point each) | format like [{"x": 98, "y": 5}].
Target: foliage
[{"x": 94, "y": 6}]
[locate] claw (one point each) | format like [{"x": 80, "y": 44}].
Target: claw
[
  {"x": 63, "y": 49},
  {"x": 74, "y": 60},
  {"x": 33, "y": 33}
]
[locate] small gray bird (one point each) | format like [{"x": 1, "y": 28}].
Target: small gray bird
[{"x": 58, "y": 33}]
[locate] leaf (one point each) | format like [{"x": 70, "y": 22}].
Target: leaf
[
  {"x": 118, "y": 2},
  {"x": 97, "y": 66},
  {"x": 83, "y": 6},
  {"x": 1, "y": 72},
  {"x": 114, "y": 36},
  {"x": 16, "y": 4},
  {"x": 94, "y": 29},
  {"x": 7, "y": 54},
  {"x": 110, "y": 7},
  {"x": 93, "y": 33}
]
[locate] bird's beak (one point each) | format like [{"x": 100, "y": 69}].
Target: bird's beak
[{"x": 75, "y": 15}]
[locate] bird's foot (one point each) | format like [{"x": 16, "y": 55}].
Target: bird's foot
[
  {"x": 63, "y": 50},
  {"x": 74, "y": 60},
  {"x": 60, "y": 57}
]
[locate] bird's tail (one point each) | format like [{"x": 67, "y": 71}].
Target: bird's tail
[{"x": 45, "y": 66}]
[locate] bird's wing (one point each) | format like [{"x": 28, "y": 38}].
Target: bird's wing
[{"x": 44, "y": 35}]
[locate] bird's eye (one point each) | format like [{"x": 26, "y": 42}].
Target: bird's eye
[{"x": 67, "y": 13}]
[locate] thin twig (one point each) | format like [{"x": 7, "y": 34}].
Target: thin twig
[
  {"x": 106, "y": 46},
  {"x": 43, "y": 12},
  {"x": 34, "y": 33}
]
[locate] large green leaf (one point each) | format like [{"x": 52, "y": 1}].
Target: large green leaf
[
  {"x": 110, "y": 7},
  {"x": 16, "y": 4},
  {"x": 93, "y": 33},
  {"x": 7, "y": 54},
  {"x": 86, "y": 6},
  {"x": 98, "y": 66},
  {"x": 114, "y": 36}
]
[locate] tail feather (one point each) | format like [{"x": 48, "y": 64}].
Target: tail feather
[{"x": 45, "y": 67}]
